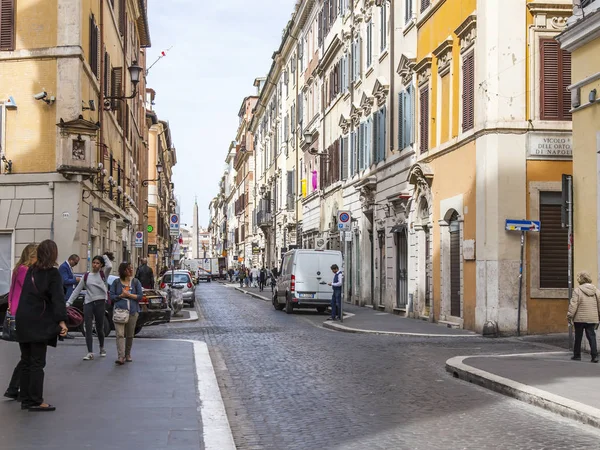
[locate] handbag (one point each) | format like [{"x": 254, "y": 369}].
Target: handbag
[
  {"x": 121, "y": 316},
  {"x": 9, "y": 327}
]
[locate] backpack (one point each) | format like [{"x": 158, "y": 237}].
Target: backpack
[{"x": 103, "y": 276}]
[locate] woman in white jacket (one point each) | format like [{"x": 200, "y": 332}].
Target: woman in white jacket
[
  {"x": 584, "y": 313},
  {"x": 95, "y": 285}
]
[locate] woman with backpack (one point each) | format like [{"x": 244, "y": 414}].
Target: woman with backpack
[
  {"x": 28, "y": 257},
  {"x": 40, "y": 320},
  {"x": 94, "y": 305},
  {"x": 125, "y": 293}
]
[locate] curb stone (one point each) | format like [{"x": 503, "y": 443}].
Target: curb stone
[
  {"x": 194, "y": 317},
  {"x": 343, "y": 328},
  {"x": 252, "y": 294},
  {"x": 551, "y": 402}
]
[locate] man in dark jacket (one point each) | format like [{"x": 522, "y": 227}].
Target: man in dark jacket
[
  {"x": 145, "y": 275},
  {"x": 68, "y": 278}
]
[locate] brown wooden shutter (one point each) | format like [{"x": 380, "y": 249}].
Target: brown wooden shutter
[
  {"x": 555, "y": 79},
  {"x": 122, "y": 19},
  {"x": 468, "y": 91},
  {"x": 553, "y": 243},
  {"x": 424, "y": 118},
  {"x": 106, "y": 73},
  {"x": 7, "y": 25},
  {"x": 116, "y": 83}
]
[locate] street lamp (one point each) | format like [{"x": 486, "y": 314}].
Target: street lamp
[
  {"x": 308, "y": 137},
  {"x": 135, "y": 72},
  {"x": 159, "y": 170}
]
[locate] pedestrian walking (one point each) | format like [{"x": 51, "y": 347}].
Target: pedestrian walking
[
  {"x": 40, "y": 318},
  {"x": 125, "y": 293},
  {"x": 275, "y": 272},
  {"x": 242, "y": 277},
  {"x": 254, "y": 274},
  {"x": 584, "y": 312},
  {"x": 69, "y": 279},
  {"x": 145, "y": 274},
  {"x": 28, "y": 258},
  {"x": 273, "y": 281},
  {"x": 94, "y": 305},
  {"x": 336, "y": 299},
  {"x": 262, "y": 279},
  {"x": 230, "y": 272}
]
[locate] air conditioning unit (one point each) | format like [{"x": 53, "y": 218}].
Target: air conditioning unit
[{"x": 320, "y": 243}]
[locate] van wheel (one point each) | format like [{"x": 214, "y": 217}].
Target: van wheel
[
  {"x": 289, "y": 307},
  {"x": 276, "y": 303},
  {"x": 321, "y": 309}
]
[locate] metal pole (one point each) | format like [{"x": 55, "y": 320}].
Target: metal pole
[
  {"x": 520, "y": 284},
  {"x": 344, "y": 275},
  {"x": 89, "y": 230},
  {"x": 570, "y": 244}
]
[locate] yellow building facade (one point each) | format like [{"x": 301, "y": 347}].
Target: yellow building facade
[
  {"x": 73, "y": 153},
  {"x": 493, "y": 140}
]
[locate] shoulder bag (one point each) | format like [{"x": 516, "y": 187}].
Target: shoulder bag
[
  {"x": 121, "y": 316},
  {"x": 9, "y": 327}
]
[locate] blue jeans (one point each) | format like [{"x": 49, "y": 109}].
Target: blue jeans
[{"x": 336, "y": 303}]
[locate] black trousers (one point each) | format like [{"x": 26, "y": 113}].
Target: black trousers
[
  {"x": 15, "y": 380},
  {"x": 33, "y": 360},
  {"x": 94, "y": 311},
  {"x": 590, "y": 334}
]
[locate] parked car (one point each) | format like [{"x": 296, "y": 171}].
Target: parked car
[
  {"x": 154, "y": 310},
  {"x": 303, "y": 280},
  {"x": 181, "y": 281}
]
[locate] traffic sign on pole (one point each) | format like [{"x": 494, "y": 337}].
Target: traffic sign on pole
[
  {"x": 344, "y": 219},
  {"x": 174, "y": 225},
  {"x": 139, "y": 239}
]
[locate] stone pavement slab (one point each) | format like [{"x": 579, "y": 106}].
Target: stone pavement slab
[
  {"x": 152, "y": 403},
  {"x": 549, "y": 380}
]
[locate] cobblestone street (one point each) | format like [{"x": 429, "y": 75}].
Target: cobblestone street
[{"x": 287, "y": 383}]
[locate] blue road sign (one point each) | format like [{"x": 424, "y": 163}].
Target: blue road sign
[{"x": 523, "y": 225}]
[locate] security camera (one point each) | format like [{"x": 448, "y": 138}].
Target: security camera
[
  {"x": 41, "y": 95},
  {"x": 107, "y": 104}
]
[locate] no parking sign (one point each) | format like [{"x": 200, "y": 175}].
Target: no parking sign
[
  {"x": 139, "y": 239},
  {"x": 344, "y": 219}
]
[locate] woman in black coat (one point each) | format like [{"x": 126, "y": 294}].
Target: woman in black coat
[{"x": 40, "y": 319}]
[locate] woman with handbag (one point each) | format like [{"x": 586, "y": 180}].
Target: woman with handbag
[
  {"x": 28, "y": 257},
  {"x": 94, "y": 305},
  {"x": 125, "y": 293},
  {"x": 40, "y": 320}
]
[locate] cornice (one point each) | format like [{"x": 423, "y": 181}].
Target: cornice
[{"x": 581, "y": 32}]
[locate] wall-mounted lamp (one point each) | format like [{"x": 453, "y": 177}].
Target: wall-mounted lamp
[
  {"x": 7, "y": 164},
  {"x": 592, "y": 97},
  {"x": 43, "y": 96},
  {"x": 308, "y": 138},
  {"x": 135, "y": 72},
  {"x": 159, "y": 170}
]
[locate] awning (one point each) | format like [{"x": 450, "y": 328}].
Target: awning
[{"x": 398, "y": 229}]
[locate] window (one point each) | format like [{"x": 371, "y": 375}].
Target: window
[
  {"x": 425, "y": 4},
  {"x": 370, "y": 44},
  {"x": 383, "y": 26},
  {"x": 353, "y": 147},
  {"x": 6, "y": 262},
  {"x": 468, "y": 97},
  {"x": 379, "y": 134},
  {"x": 344, "y": 150},
  {"x": 356, "y": 49},
  {"x": 408, "y": 10},
  {"x": 424, "y": 118},
  {"x": 94, "y": 46},
  {"x": 553, "y": 243},
  {"x": 7, "y": 25},
  {"x": 345, "y": 76},
  {"x": 406, "y": 118},
  {"x": 122, "y": 17},
  {"x": 555, "y": 77}
]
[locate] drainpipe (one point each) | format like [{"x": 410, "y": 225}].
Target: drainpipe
[{"x": 392, "y": 94}]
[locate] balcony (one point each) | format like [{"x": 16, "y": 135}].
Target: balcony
[{"x": 264, "y": 219}]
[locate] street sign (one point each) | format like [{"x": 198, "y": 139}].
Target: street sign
[
  {"x": 139, "y": 239},
  {"x": 174, "y": 225},
  {"x": 344, "y": 219},
  {"x": 348, "y": 236},
  {"x": 523, "y": 225},
  {"x": 149, "y": 228}
]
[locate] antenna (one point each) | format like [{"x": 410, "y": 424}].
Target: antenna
[{"x": 162, "y": 55}]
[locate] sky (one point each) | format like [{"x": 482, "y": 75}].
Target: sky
[{"x": 218, "y": 49}]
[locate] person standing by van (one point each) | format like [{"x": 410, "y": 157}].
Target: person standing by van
[{"x": 336, "y": 299}]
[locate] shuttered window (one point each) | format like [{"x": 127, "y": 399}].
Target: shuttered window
[
  {"x": 553, "y": 243},
  {"x": 468, "y": 97},
  {"x": 7, "y": 25},
  {"x": 370, "y": 44},
  {"x": 94, "y": 47},
  {"x": 424, "y": 118},
  {"x": 122, "y": 17},
  {"x": 425, "y": 4},
  {"x": 344, "y": 151},
  {"x": 379, "y": 135},
  {"x": 116, "y": 86},
  {"x": 555, "y": 78},
  {"x": 406, "y": 118}
]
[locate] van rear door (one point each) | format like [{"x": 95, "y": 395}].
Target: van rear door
[
  {"x": 306, "y": 272},
  {"x": 326, "y": 260}
]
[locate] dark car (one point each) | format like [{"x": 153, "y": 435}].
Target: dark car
[{"x": 154, "y": 310}]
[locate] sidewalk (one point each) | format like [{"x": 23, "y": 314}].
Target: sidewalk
[
  {"x": 165, "y": 399},
  {"x": 369, "y": 321},
  {"x": 549, "y": 380}
]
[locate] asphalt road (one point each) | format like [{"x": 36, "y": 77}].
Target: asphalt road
[{"x": 287, "y": 383}]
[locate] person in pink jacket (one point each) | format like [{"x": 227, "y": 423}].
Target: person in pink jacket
[{"x": 28, "y": 257}]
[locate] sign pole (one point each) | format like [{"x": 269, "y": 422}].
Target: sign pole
[
  {"x": 344, "y": 275},
  {"x": 520, "y": 284},
  {"x": 569, "y": 181}
]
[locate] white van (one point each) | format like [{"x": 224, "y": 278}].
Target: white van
[{"x": 303, "y": 280}]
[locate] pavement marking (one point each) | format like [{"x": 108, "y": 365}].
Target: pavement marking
[
  {"x": 339, "y": 327},
  {"x": 551, "y": 402},
  {"x": 193, "y": 318}
]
